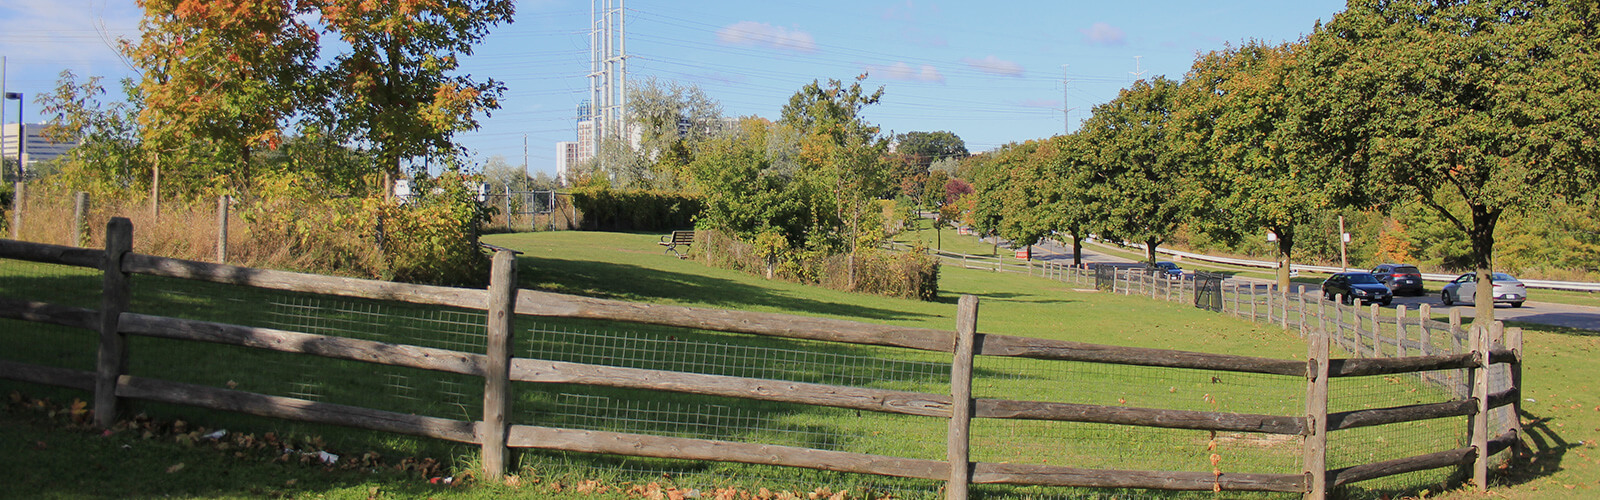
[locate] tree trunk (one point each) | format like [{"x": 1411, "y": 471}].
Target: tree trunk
[
  {"x": 1482, "y": 235},
  {"x": 1077, "y": 249},
  {"x": 1150, "y": 251}
]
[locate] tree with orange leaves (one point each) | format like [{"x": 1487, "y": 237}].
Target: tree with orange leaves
[{"x": 220, "y": 80}]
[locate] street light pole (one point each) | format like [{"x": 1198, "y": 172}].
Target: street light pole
[{"x": 22, "y": 132}]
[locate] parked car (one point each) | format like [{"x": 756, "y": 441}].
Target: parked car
[
  {"x": 1169, "y": 269},
  {"x": 1465, "y": 288},
  {"x": 1355, "y": 286},
  {"x": 1400, "y": 278}
]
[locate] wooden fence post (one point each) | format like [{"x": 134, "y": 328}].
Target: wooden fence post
[
  {"x": 1377, "y": 333},
  {"x": 1478, "y": 434},
  {"x": 1300, "y": 296},
  {"x": 18, "y": 198},
  {"x": 1425, "y": 315},
  {"x": 112, "y": 359},
  {"x": 80, "y": 208},
  {"x": 497, "y": 370},
  {"x": 1514, "y": 343},
  {"x": 1457, "y": 386},
  {"x": 1400, "y": 331},
  {"x": 1316, "y": 441},
  {"x": 958, "y": 440},
  {"x": 1255, "y": 310},
  {"x": 222, "y": 229}
]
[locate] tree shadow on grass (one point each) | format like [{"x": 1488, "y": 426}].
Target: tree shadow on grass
[{"x": 638, "y": 283}]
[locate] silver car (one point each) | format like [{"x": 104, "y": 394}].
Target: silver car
[{"x": 1507, "y": 290}]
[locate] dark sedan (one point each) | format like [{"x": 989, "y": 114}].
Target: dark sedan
[
  {"x": 1401, "y": 278},
  {"x": 1357, "y": 286}
]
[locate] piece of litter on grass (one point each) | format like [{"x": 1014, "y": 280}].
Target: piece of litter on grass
[
  {"x": 216, "y": 435},
  {"x": 175, "y": 468},
  {"x": 327, "y": 458}
]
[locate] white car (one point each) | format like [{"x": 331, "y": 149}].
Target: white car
[{"x": 1465, "y": 288}]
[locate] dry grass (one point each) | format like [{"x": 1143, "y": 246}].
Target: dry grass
[{"x": 183, "y": 230}]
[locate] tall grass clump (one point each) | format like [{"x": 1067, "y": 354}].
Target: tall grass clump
[
  {"x": 910, "y": 275},
  {"x": 286, "y": 223}
]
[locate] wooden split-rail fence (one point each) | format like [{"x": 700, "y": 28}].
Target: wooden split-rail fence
[{"x": 503, "y": 302}]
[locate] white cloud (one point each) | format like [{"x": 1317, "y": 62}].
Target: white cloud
[
  {"x": 907, "y": 72},
  {"x": 1104, "y": 34},
  {"x": 994, "y": 65},
  {"x": 767, "y": 35}
]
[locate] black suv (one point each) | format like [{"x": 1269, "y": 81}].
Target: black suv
[
  {"x": 1401, "y": 278},
  {"x": 1355, "y": 286}
]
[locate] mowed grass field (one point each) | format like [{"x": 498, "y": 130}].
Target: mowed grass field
[{"x": 631, "y": 267}]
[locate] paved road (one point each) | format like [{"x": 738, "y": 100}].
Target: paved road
[{"x": 1547, "y": 313}]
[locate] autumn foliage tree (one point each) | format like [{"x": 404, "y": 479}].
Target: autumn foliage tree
[{"x": 220, "y": 79}]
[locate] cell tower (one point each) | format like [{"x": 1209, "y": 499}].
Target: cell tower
[
  {"x": 1137, "y": 73},
  {"x": 608, "y": 70}
]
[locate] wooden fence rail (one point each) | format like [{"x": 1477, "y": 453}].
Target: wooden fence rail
[{"x": 502, "y": 302}]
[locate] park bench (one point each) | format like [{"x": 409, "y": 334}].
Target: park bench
[{"x": 676, "y": 239}]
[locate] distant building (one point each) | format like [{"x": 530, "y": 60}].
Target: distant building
[
  {"x": 566, "y": 157},
  {"x": 588, "y": 132},
  {"x": 37, "y": 147}
]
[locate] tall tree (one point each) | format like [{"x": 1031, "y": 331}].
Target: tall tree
[
  {"x": 915, "y": 152},
  {"x": 395, "y": 87},
  {"x": 672, "y": 119},
  {"x": 1491, "y": 103},
  {"x": 107, "y": 158},
  {"x": 223, "y": 73},
  {"x": 1072, "y": 181},
  {"x": 842, "y": 148},
  {"x": 1141, "y": 188},
  {"x": 1243, "y": 115}
]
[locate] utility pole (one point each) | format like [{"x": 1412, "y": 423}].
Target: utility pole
[
  {"x": 1066, "y": 112},
  {"x": 524, "y": 180},
  {"x": 1344, "y": 239},
  {"x": 1137, "y": 73}
]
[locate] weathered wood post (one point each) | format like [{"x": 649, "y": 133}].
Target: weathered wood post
[
  {"x": 222, "y": 229},
  {"x": 1514, "y": 343},
  {"x": 112, "y": 359},
  {"x": 80, "y": 208},
  {"x": 1300, "y": 295},
  {"x": 957, "y": 441},
  {"x": 1400, "y": 331},
  {"x": 497, "y": 370},
  {"x": 18, "y": 199},
  {"x": 1316, "y": 441},
  {"x": 1425, "y": 335},
  {"x": 1254, "y": 306},
  {"x": 1457, "y": 387},
  {"x": 1478, "y": 433},
  {"x": 1377, "y": 333}
]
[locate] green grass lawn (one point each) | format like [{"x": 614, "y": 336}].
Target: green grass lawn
[{"x": 631, "y": 267}]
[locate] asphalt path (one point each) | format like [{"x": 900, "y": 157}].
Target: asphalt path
[{"x": 1532, "y": 311}]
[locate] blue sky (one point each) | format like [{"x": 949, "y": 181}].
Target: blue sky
[{"x": 990, "y": 72}]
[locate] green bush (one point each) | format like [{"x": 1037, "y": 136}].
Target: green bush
[
  {"x": 606, "y": 209},
  {"x": 911, "y": 275}
]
